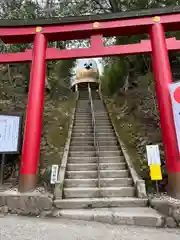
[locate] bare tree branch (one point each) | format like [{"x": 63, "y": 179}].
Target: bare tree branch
[{"x": 101, "y": 6}]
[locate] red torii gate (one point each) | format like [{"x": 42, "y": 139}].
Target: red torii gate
[{"x": 95, "y": 28}]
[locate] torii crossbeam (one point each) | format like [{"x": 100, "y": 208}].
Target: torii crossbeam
[
  {"x": 153, "y": 22},
  {"x": 54, "y": 54}
]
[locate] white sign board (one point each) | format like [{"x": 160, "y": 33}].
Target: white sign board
[
  {"x": 9, "y": 133},
  {"x": 175, "y": 99},
  {"x": 153, "y": 154},
  {"x": 54, "y": 173}
]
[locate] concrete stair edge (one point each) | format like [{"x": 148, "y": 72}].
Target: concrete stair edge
[
  {"x": 81, "y": 203},
  {"x": 137, "y": 216}
]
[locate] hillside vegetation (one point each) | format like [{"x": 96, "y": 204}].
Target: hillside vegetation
[{"x": 131, "y": 100}]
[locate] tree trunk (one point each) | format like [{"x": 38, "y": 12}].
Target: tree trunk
[
  {"x": 9, "y": 74},
  {"x": 114, "y": 5}
]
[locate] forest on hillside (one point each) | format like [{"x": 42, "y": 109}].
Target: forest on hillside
[{"x": 127, "y": 84}]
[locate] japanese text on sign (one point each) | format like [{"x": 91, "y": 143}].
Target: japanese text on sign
[
  {"x": 9, "y": 133},
  {"x": 54, "y": 173},
  {"x": 153, "y": 154}
]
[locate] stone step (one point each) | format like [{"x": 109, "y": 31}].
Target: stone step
[
  {"x": 136, "y": 216},
  {"x": 84, "y": 135},
  {"x": 83, "y": 110},
  {"x": 78, "y": 113},
  {"x": 81, "y": 154},
  {"x": 88, "y": 138},
  {"x": 88, "y": 117},
  {"x": 82, "y": 167},
  {"x": 85, "y": 121},
  {"x": 81, "y": 174},
  {"x": 92, "y": 148},
  {"x": 93, "y": 166},
  {"x": 81, "y": 159},
  {"x": 83, "y": 116},
  {"x": 84, "y": 142},
  {"x": 99, "y": 109},
  {"x": 94, "y": 174},
  {"x": 104, "y": 182},
  {"x": 102, "y": 122},
  {"x": 89, "y": 122},
  {"x": 83, "y": 102},
  {"x": 112, "y": 166},
  {"x": 80, "y": 148},
  {"x": 92, "y": 154},
  {"x": 98, "y": 128},
  {"x": 98, "y": 114},
  {"x": 107, "y": 140},
  {"x": 99, "y": 106},
  {"x": 80, "y": 203},
  {"x": 102, "y": 118},
  {"x": 89, "y": 125},
  {"x": 114, "y": 173},
  {"x": 91, "y": 130},
  {"x": 84, "y": 106},
  {"x": 99, "y": 192},
  {"x": 105, "y": 135},
  {"x": 82, "y": 121},
  {"x": 109, "y": 148},
  {"x": 98, "y": 134}
]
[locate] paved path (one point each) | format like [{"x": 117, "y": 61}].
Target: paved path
[{"x": 23, "y": 228}]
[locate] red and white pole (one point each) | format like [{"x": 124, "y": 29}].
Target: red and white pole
[
  {"x": 163, "y": 77},
  {"x": 34, "y": 115}
]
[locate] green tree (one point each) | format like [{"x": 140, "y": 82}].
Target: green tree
[{"x": 31, "y": 9}]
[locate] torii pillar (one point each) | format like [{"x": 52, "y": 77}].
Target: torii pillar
[
  {"x": 163, "y": 77},
  {"x": 34, "y": 115}
]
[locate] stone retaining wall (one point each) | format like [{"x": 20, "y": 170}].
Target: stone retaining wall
[
  {"x": 34, "y": 203},
  {"x": 42, "y": 205},
  {"x": 170, "y": 208}
]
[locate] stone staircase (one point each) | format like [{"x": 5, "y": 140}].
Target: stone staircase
[
  {"x": 81, "y": 177},
  {"x": 88, "y": 185}
]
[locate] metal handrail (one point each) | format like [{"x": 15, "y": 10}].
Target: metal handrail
[{"x": 96, "y": 144}]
